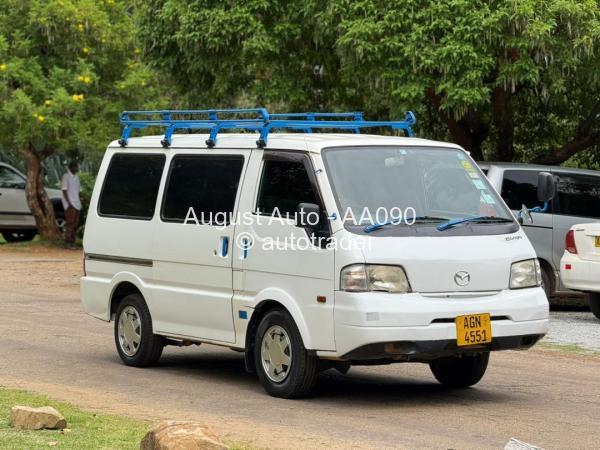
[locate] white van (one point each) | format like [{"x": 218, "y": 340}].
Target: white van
[{"x": 281, "y": 248}]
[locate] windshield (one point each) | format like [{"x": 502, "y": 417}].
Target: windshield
[{"x": 381, "y": 184}]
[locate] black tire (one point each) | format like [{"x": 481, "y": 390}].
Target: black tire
[
  {"x": 460, "y": 371},
  {"x": 19, "y": 236},
  {"x": 546, "y": 282},
  {"x": 150, "y": 345},
  {"x": 59, "y": 214},
  {"x": 595, "y": 303},
  {"x": 301, "y": 374}
]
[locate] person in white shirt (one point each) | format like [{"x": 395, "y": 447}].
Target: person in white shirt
[{"x": 71, "y": 189}]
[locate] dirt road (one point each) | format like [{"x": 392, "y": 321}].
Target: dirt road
[{"x": 544, "y": 397}]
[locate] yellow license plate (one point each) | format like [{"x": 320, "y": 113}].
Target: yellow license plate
[
  {"x": 597, "y": 241},
  {"x": 473, "y": 329}
]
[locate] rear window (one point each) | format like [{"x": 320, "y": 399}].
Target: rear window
[
  {"x": 131, "y": 186},
  {"x": 520, "y": 188},
  {"x": 208, "y": 184},
  {"x": 579, "y": 195}
]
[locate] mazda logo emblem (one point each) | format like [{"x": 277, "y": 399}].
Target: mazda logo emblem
[{"x": 462, "y": 278}]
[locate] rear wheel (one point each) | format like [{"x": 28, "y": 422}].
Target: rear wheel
[
  {"x": 18, "y": 236},
  {"x": 595, "y": 303},
  {"x": 460, "y": 371},
  {"x": 284, "y": 366},
  {"x": 136, "y": 344}
]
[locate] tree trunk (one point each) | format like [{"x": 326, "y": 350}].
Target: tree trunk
[
  {"x": 502, "y": 113},
  {"x": 569, "y": 149},
  {"x": 469, "y": 138},
  {"x": 469, "y": 134},
  {"x": 37, "y": 198}
]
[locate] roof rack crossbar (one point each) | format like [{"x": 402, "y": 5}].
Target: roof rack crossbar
[{"x": 260, "y": 121}]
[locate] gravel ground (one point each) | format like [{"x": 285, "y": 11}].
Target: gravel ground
[
  {"x": 48, "y": 345},
  {"x": 579, "y": 328}
]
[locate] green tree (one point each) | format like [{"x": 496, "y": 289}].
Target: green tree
[
  {"x": 508, "y": 79},
  {"x": 487, "y": 67},
  {"x": 67, "y": 68},
  {"x": 243, "y": 52}
]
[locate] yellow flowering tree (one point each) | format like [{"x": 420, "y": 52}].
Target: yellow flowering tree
[{"x": 67, "y": 68}]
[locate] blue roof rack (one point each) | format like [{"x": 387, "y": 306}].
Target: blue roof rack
[{"x": 255, "y": 120}]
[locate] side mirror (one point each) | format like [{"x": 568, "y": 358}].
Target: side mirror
[
  {"x": 546, "y": 187},
  {"x": 308, "y": 215}
]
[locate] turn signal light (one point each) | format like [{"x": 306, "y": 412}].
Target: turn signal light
[{"x": 570, "y": 242}]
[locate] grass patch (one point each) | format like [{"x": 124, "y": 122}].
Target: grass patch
[
  {"x": 569, "y": 348},
  {"x": 88, "y": 430},
  {"x": 37, "y": 242}
]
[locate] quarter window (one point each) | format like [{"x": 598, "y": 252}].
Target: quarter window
[
  {"x": 9, "y": 179},
  {"x": 284, "y": 184},
  {"x": 207, "y": 184},
  {"x": 131, "y": 186},
  {"x": 520, "y": 188},
  {"x": 579, "y": 195}
]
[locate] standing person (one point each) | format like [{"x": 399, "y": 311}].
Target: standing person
[{"x": 71, "y": 189}]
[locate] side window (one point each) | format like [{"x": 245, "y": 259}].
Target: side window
[
  {"x": 9, "y": 179},
  {"x": 284, "y": 184},
  {"x": 208, "y": 184},
  {"x": 520, "y": 188},
  {"x": 579, "y": 195},
  {"x": 131, "y": 186}
]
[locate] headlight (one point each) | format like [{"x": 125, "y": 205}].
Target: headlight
[
  {"x": 370, "y": 277},
  {"x": 525, "y": 274}
]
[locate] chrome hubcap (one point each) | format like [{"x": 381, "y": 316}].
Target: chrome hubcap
[
  {"x": 129, "y": 331},
  {"x": 276, "y": 353}
]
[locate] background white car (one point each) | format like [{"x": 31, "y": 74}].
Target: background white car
[
  {"x": 580, "y": 264},
  {"x": 16, "y": 221}
]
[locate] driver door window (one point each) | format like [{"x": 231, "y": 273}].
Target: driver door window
[{"x": 284, "y": 184}]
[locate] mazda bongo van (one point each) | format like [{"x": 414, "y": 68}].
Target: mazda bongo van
[{"x": 307, "y": 251}]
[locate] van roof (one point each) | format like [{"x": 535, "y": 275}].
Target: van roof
[{"x": 311, "y": 142}]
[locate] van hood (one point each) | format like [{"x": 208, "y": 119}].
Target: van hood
[{"x": 432, "y": 263}]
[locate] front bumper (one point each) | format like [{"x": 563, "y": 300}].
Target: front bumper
[
  {"x": 421, "y": 326},
  {"x": 424, "y": 351}
]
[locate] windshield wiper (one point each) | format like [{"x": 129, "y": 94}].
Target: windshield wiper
[
  {"x": 421, "y": 219},
  {"x": 481, "y": 219}
]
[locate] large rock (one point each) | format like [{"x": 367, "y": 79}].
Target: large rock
[
  {"x": 174, "y": 435},
  {"x": 29, "y": 418}
]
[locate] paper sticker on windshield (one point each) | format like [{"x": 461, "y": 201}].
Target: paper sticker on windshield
[
  {"x": 487, "y": 198},
  {"x": 479, "y": 184},
  {"x": 473, "y": 175},
  {"x": 460, "y": 156},
  {"x": 467, "y": 166}
]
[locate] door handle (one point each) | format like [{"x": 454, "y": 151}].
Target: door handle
[
  {"x": 245, "y": 246},
  {"x": 224, "y": 246}
]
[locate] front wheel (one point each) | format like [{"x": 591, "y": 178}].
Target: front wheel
[
  {"x": 284, "y": 366},
  {"x": 460, "y": 371},
  {"x": 546, "y": 283},
  {"x": 595, "y": 303},
  {"x": 136, "y": 344}
]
